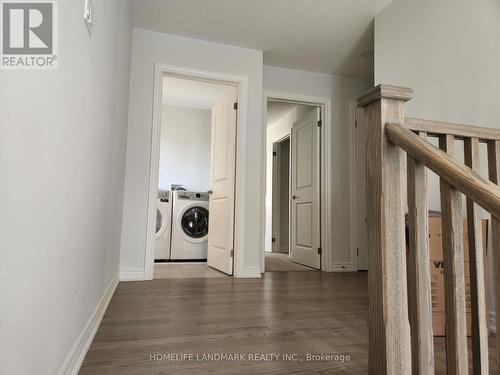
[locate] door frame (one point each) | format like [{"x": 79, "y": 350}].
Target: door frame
[
  {"x": 276, "y": 174},
  {"x": 326, "y": 215},
  {"x": 241, "y": 84}
]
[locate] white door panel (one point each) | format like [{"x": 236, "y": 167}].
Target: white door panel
[
  {"x": 222, "y": 185},
  {"x": 304, "y": 232},
  {"x": 305, "y": 190},
  {"x": 305, "y": 162}
]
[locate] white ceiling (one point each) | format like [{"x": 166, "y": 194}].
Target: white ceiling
[
  {"x": 192, "y": 94},
  {"x": 328, "y": 36}
]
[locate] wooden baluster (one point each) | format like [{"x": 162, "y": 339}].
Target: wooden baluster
[
  {"x": 389, "y": 329},
  {"x": 453, "y": 258},
  {"x": 478, "y": 298},
  {"x": 494, "y": 172},
  {"x": 419, "y": 279}
]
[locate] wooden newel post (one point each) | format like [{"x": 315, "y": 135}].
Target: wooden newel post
[{"x": 389, "y": 328}]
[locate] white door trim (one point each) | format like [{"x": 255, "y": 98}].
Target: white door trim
[
  {"x": 241, "y": 83},
  {"x": 352, "y": 177},
  {"x": 326, "y": 174}
]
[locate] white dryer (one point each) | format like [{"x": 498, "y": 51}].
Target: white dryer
[
  {"x": 163, "y": 225},
  {"x": 189, "y": 225}
]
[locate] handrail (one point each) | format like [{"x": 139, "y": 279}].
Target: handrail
[
  {"x": 462, "y": 178},
  {"x": 460, "y": 131}
]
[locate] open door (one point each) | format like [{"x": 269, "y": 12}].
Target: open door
[
  {"x": 361, "y": 225},
  {"x": 305, "y": 191},
  {"x": 222, "y": 185}
]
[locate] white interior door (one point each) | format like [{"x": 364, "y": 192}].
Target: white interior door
[
  {"x": 222, "y": 184},
  {"x": 361, "y": 226},
  {"x": 305, "y": 190}
]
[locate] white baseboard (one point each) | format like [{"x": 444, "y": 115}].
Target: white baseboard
[
  {"x": 343, "y": 267},
  {"x": 131, "y": 275},
  {"x": 75, "y": 358},
  {"x": 492, "y": 321},
  {"x": 249, "y": 273}
]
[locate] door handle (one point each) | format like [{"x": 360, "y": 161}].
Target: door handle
[
  {"x": 210, "y": 192},
  {"x": 294, "y": 196}
]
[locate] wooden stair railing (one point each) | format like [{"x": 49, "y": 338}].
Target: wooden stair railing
[
  {"x": 459, "y": 176},
  {"x": 400, "y": 312}
]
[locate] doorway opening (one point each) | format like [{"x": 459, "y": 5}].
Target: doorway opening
[
  {"x": 281, "y": 194},
  {"x": 293, "y": 191},
  {"x": 193, "y": 192}
]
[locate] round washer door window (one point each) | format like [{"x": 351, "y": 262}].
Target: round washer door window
[
  {"x": 159, "y": 220},
  {"x": 194, "y": 222}
]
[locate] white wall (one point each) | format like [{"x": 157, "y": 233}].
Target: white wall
[
  {"x": 341, "y": 90},
  {"x": 62, "y": 161},
  {"x": 148, "y": 48},
  {"x": 185, "y": 147},
  {"x": 448, "y": 53},
  {"x": 276, "y": 131}
]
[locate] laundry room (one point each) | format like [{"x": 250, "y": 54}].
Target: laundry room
[{"x": 198, "y": 128}]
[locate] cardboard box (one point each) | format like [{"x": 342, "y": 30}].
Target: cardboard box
[{"x": 437, "y": 273}]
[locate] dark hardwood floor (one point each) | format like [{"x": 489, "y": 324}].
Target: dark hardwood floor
[{"x": 284, "y": 312}]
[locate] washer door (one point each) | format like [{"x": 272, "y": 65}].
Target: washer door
[
  {"x": 193, "y": 223},
  {"x": 161, "y": 223}
]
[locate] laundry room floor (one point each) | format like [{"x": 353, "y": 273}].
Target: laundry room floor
[{"x": 185, "y": 271}]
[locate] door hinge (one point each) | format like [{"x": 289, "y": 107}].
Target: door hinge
[
  {"x": 320, "y": 123},
  {"x": 235, "y": 106},
  {"x": 231, "y": 253},
  {"x": 357, "y": 252},
  {"x": 273, "y": 239},
  {"x": 320, "y": 250},
  {"x": 274, "y": 153},
  {"x": 356, "y": 123}
]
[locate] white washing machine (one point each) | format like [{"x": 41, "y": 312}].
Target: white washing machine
[
  {"x": 163, "y": 225},
  {"x": 189, "y": 225}
]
